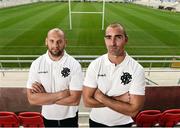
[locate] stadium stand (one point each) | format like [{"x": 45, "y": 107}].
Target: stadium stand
[
  {"x": 9, "y": 3},
  {"x": 162, "y": 97},
  {"x": 161, "y": 4},
  {"x": 15, "y": 99},
  {"x": 165, "y": 5},
  {"x": 13, "y": 89}
]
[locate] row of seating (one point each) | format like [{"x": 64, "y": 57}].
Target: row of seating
[
  {"x": 150, "y": 118},
  {"x": 146, "y": 118},
  {"x": 25, "y": 119}
]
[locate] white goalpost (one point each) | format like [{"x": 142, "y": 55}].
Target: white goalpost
[{"x": 80, "y": 12}]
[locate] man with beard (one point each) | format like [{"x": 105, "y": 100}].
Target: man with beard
[
  {"x": 55, "y": 82},
  {"x": 114, "y": 85}
]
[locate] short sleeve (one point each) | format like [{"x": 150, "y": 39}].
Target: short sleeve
[
  {"x": 90, "y": 78},
  {"x": 138, "y": 83},
  {"x": 33, "y": 76},
  {"x": 76, "y": 81}
]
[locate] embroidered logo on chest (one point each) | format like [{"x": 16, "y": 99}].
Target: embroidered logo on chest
[
  {"x": 65, "y": 72},
  {"x": 126, "y": 78}
]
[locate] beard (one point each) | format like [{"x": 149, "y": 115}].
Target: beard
[
  {"x": 56, "y": 53},
  {"x": 115, "y": 51}
]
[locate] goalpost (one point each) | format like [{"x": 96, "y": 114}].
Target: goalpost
[{"x": 75, "y": 12}]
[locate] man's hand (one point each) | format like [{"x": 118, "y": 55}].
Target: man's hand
[
  {"x": 124, "y": 97},
  {"x": 64, "y": 93},
  {"x": 69, "y": 97},
  {"x": 127, "y": 104},
  {"x": 89, "y": 97},
  {"x": 98, "y": 95},
  {"x": 38, "y": 88}
]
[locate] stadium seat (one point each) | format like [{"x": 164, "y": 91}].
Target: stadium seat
[
  {"x": 8, "y": 119},
  {"x": 31, "y": 119},
  {"x": 170, "y": 118},
  {"x": 172, "y": 111},
  {"x": 149, "y": 112},
  {"x": 148, "y": 118}
]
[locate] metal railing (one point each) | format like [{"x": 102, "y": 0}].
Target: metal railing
[
  {"x": 7, "y": 63},
  {"x": 150, "y": 61}
]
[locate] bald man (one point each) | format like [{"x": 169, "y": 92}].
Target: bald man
[{"x": 55, "y": 83}]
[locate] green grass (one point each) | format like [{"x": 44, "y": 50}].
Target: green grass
[{"x": 151, "y": 32}]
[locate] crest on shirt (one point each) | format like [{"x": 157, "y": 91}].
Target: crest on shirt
[
  {"x": 126, "y": 78},
  {"x": 65, "y": 72}
]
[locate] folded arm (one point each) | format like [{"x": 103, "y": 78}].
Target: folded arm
[
  {"x": 38, "y": 96},
  {"x": 72, "y": 99},
  {"x": 130, "y": 108},
  {"x": 91, "y": 101},
  {"x": 88, "y": 98}
]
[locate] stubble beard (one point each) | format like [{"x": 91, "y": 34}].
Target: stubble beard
[
  {"x": 116, "y": 52},
  {"x": 56, "y": 53}
]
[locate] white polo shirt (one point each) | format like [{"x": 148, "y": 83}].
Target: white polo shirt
[
  {"x": 114, "y": 80},
  {"x": 56, "y": 76}
]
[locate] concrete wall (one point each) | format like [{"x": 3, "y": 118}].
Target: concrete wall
[
  {"x": 15, "y": 100},
  {"x": 162, "y": 98}
]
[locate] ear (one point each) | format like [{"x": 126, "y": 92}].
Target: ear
[
  {"x": 126, "y": 39},
  {"x": 65, "y": 42},
  {"x": 46, "y": 42}
]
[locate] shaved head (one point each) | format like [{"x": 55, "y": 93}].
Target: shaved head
[
  {"x": 56, "y": 31},
  {"x": 56, "y": 42}
]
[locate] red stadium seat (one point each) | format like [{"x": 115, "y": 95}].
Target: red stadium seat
[
  {"x": 31, "y": 119},
  {"x": 170, "y": 118},
  {"x": 172, "y": 111},
  {"x": 149, "y": 112},
  {"x": 30, "y": 114},
  {"x": 148, "y": 118},
  {"x": 8, "y": 119}
]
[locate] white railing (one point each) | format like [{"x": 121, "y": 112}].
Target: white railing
[
  {"x": 19, "y": 60},
  {"x": 86, "y": 59}
]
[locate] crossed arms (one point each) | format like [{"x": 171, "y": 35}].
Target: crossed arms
[
  {"x": 38, "y": 96},
  {"x": 127, "y": 104}
]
